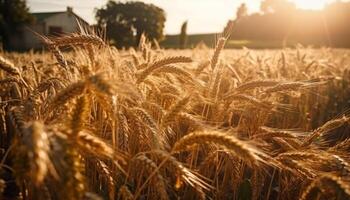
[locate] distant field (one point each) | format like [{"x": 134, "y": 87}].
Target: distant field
[{"x": 172, "y": 41}]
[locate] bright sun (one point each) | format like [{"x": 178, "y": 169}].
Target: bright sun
[{"x": 311, "y": 4}]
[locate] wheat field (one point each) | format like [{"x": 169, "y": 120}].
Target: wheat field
[{"x": 95, "y": 122}]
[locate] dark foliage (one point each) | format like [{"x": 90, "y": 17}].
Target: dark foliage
[
  {"x": 13, "y": 13},
  {"x": 126, "y": 22},
  {"x": 183, "y": 35}
]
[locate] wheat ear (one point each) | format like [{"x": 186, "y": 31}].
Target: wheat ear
[
  {"x": 67, "y": 94},
  {"x": 285, "y": 87},
  {"x": 59, "y": 56},
  {"x": 100, "y": 84},
  {"x": 185, "y": 174},
  {"x": 157, "y": 139},
  {"x": 74, "y": 39},
  {"x": 80, "y": 114},
  {"x": 175, "y": 110},
  {"x": 256, "y": 84},
  {"x": 143, "y": 161},
  {"x": 270, "y": 133},
  {"x": 74, "y": 175},
  {"x": 8, "y": 67},
  {"x": 240, "y": 148},
  {"x": 328, "y": 126},
  {"x": 174, "y": 70},
  {"x": 215, "y": 58},
  {"x": 2, "y": 186},
  {"x": 324, "y": 182},
  {"x": 159, "y": 63},
  {"x": 98, "y": 147},
  {"x": 39, "y": 146},
  {"x": 125, "y": 194},
  {"x": 107, "y": 174}
]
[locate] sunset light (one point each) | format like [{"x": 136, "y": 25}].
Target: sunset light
[
  {"x": 311, "y": 4},
  {"x": 175, "y": 99}
]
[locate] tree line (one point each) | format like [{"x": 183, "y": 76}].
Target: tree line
[
  {"x": 278, "y": 20},
  {"x": 281, "y": 20}
]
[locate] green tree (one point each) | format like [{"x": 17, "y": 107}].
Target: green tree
[
  {"x": 126, "y": 22},
  {"x": 183, "y": 35},
  {"x": 13, "y": 14}
]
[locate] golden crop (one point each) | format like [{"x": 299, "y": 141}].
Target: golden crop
[{"x": 169, "y": 124}]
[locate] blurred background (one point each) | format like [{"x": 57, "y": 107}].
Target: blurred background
[{"x": 180, "y": 23}]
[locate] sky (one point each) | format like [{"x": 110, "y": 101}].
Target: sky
[{"x": 203, "y": 16}]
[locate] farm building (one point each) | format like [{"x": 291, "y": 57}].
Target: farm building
[{"x": 48, "y": 24}]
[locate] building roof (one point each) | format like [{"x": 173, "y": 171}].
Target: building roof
[{"x": 41, "y": 16}]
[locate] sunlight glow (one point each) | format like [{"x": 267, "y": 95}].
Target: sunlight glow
[
  {"x": 177, "y": 11},
  {"x": 311, "y": 4}
]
